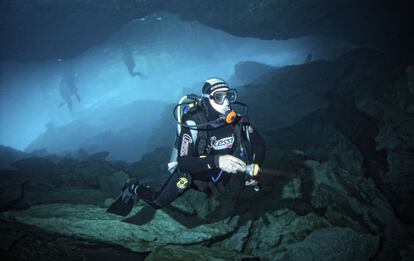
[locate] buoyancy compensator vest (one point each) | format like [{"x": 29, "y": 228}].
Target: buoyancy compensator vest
[{"x": 193, "y": 107}]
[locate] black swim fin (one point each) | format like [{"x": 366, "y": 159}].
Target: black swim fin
[{"x": 124, "y": 203}]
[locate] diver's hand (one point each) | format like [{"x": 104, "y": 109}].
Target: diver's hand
[{"x": 231, "y": 164}]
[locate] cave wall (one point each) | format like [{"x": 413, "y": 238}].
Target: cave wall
[{"x": 43, "y": 30}]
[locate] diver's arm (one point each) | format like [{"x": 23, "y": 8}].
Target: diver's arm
[{"x": 187, "y": 158}]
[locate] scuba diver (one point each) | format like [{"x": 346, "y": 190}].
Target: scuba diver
[
  {"x": 128, "y": 59},
  {"x": 308, "y": 58},
  {"x": 213, "y": 143},
  {"x": 67, "y": 89}
]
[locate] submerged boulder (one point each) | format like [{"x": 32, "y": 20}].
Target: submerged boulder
[
  {"x": 43, "y": 194},
  {"x": 346, "y": 200},
  {"x": 23, "y": 242},
  {"x": 201, "y": 253},
  {"x": 99, "y": 156},
  {"x": 321, "y": 141},
  {"x": 152, "y": 168},
  {"x": 248, "y": 71},
  {"x": 274, "y": 231},
  {"x": 37, "y": 169},
  {"x": 39, "y": 181},
  {"x": 333, "y": 244},
  {"x": 307, "y": 200},
  {"x": 9, "y": 155},
  {"x": 91, "y": 222},
  {"x": 389, "y": 104}
]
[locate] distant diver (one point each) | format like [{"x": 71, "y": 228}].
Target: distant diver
[
  {"x": 67, "y": 89},
  {"x": 129, "y": 61},
  {"x": 213, "y": 143},
  {"x": 308, "y": 58}
]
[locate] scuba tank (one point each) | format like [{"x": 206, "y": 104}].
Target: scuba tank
[{"x": 189, "y": 103}]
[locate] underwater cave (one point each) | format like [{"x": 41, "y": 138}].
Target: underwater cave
[{"x": 209, "y": 130}]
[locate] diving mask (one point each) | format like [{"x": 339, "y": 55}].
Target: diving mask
[{"x": 220, "y": 96}]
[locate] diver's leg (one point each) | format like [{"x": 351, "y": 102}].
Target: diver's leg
[
  {"x": 77, "y": 96},
  {"x": 172, "y": 188}
]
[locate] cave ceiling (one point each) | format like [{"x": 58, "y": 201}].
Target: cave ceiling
[{"x": 45, "y": 29}]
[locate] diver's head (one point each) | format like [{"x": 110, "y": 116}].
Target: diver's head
[{"x": 219, "y": 95}]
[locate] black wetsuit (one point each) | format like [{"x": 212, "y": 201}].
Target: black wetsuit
[{"x": 238, "y": 139}]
